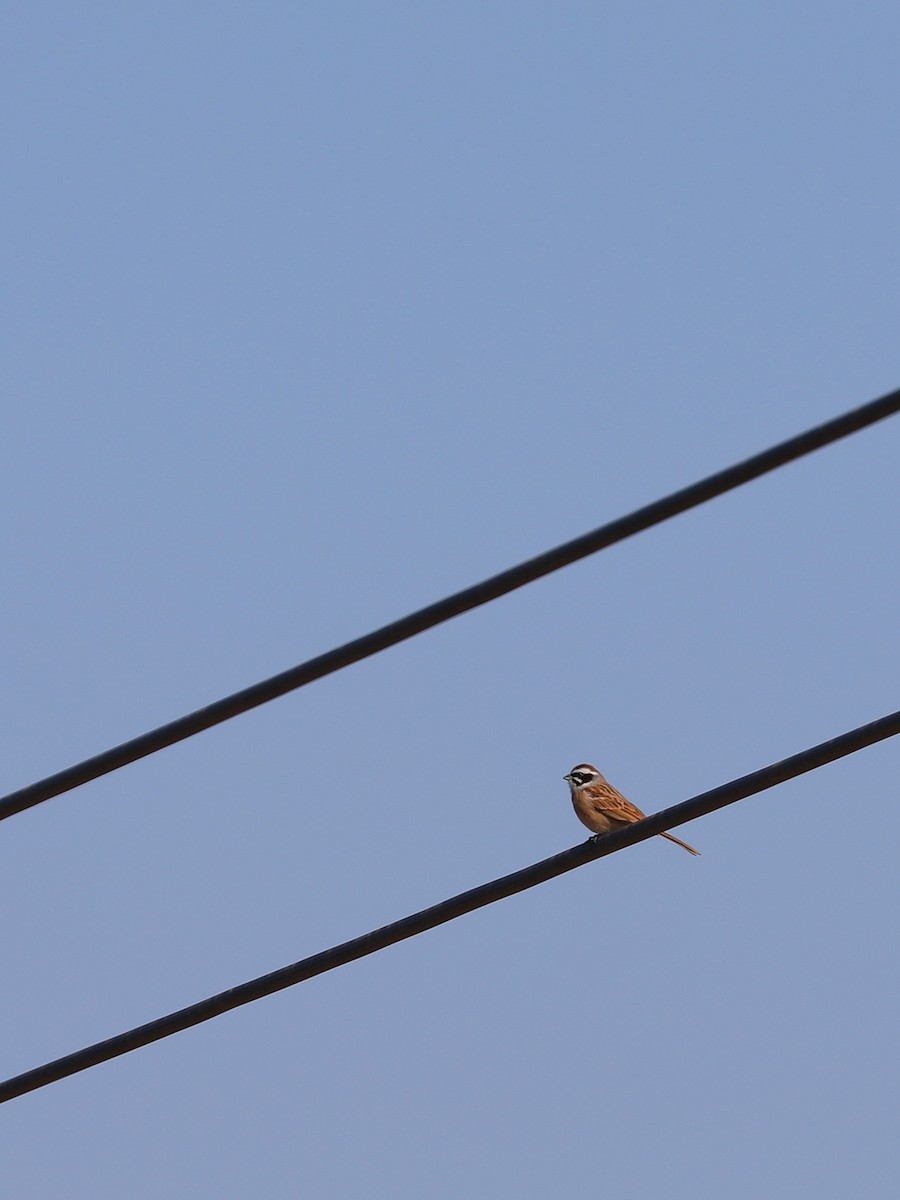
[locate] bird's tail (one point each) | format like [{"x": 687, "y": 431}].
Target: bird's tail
[{"x": 679, "y": 842}]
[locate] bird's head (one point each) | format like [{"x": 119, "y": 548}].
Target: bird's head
[{"x": 583, "y": 774}]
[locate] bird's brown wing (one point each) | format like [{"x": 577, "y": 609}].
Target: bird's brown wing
[{"x": 615, "y": 806}]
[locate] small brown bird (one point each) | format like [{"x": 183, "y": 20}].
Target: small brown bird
[{"x": 598, "y": 805}]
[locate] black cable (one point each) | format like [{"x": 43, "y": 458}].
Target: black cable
[
  {"x": 449, "y": 910},
  {"x": 452, "y": 606}
]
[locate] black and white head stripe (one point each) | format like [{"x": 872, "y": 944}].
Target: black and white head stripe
[{"x": 582, "y": 774}]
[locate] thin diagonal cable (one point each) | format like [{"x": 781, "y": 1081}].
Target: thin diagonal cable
[
  {"x": 452, "y": 606},
  {"x": 449, "y": 910}
]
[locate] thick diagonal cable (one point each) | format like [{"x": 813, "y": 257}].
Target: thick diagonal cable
[
  {"x": 449, "y": 910},
  {"x": 452, "y": 606}
]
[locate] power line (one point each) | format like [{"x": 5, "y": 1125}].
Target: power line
[
  {"x": 452, "y": 606},
  {"x": 449, "y": 910}
]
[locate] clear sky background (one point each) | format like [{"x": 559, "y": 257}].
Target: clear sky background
[{"x": 312, "y": 314}]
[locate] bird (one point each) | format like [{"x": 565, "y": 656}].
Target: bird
[{"x": 598, "y": 805}]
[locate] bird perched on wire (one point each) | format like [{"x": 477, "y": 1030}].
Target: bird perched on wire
[{"x": 598, "y": 805}]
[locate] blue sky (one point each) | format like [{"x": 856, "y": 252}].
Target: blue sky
[{"x": 314, "y": 313}]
